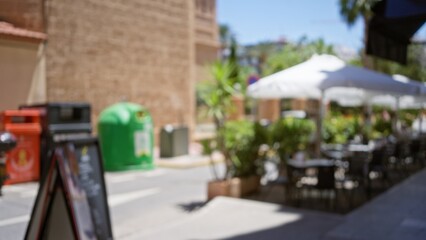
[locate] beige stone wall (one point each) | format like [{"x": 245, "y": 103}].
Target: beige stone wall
[
  {"x": 205, "y": 56},
  {"x": 269, "y": 109},
  {"x": 103, "y": 51},
  {"x": 25, "y": 14},
  {"x": 311, "y": 106},
  {"x": 206, "y": 37},
  {"x": 206, "y": 28},
  {"x": 21, "y": 74}
]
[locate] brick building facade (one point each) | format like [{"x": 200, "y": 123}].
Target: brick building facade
[
  {"x": 106, "y": 51},
  {"x": 206, "y": 37}
]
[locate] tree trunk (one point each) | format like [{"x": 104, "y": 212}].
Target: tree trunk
[
  {"x": 221, "y": 146},
  {"x": 367, "y": 61}
]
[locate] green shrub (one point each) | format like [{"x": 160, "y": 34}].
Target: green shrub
[
  {"x": 381, "y": 128},
  {"x": 242, "y": 141},
  {"x": 292, "y": 135},
  {"x": 340, "y": 129}
]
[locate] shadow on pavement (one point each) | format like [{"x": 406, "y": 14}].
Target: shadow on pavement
[{"x": 192, "y": 206}]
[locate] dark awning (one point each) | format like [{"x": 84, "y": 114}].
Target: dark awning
[{"x": 391, "y": 28}]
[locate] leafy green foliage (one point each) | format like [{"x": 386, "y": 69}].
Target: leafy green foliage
[
  {"x": 234, "y": 139},
  {"x": 340, "y": 129},
  {"x": 237, "y": 75},
  {"x": 351, "y": 10},
  {"x": 381, "y": 128},
  {"x": 217, "y": 95},
  {"x": 408, "y": 116},
  {"x": 242, "y": 141},
  {"x": 226, "y": 35},
  {"x": 414, "y": 68},
  {"x": 233, "y": 60},
  {"x": 292, "y": 135},
  {"x": 292, "y": 54}
]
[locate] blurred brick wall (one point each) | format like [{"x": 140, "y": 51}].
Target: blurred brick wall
[
  {"x": 102, "y": 51},
  {"x": 21, "y": 54},
  {"x": 311, "y": 106},
  {"x": 206, "y": 37},
  {"x": 25, "y": 14},
  {"x": 269, "y": 109}
]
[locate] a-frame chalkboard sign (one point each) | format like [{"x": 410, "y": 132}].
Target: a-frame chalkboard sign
[{"x": 71, "y": 202}]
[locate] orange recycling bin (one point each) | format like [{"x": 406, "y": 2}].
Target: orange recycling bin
[{"x": 23, "y": 162}]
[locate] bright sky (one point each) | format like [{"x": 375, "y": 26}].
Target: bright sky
[{"x": 258, "y": 20}]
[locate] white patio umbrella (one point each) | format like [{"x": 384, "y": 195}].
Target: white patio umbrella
[
  {"x": 314, "y": 77},
  {"x": 319, "y": 75},
  {"x": 358, "y": 97},
  {"x": 353, "y": 97},
  {"x": 402, "y": 102}
]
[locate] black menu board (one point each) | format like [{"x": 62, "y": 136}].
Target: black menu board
[
  {"x": 91, "y": 176},
  {"x": 72, "y": 203}
]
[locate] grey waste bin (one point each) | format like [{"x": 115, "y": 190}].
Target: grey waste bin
[
  {"x": 60, "y": 121},
  {"x": 173, "y": 141}
]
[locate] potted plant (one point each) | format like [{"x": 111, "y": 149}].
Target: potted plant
[
  {"x": 242, "y": 140},
  {"x": 242, "y": 143},
  {"x": 217, "y": 96},
  {"x": 236, "y": 140}
]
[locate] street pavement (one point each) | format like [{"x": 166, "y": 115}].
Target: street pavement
[
  {"x": 240, "y": 219},
  {"x": 168, "y": 203},
  {"x": 399, "y": 213},
  {"x": 139, "y": 200}
]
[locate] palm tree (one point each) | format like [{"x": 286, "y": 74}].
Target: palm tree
[
  {"x": 234, "y": 62},
  {"x": 226, "y": 35},
  {"x": 218, "y": 98},
  {"x": 351, "y": 10}
]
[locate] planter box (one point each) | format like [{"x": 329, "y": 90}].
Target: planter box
[
  {"x": 236, "y": 187},
  {"x": 217, "y": 188},
  {"x": 240, "y": 187}
]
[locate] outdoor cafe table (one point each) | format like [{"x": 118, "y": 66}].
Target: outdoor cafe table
[
  {"x": 299, "y": 167},
  {"x": 345, "y": 155},
  {"x": 337, "y": 154},
  {"x": 341, "y": 152},
  {"x": 310, "y": 163},
  {"x": 359, "y": 148},
  {"x": 356, "y": 164}
]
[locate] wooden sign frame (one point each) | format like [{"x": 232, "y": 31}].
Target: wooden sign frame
[{"x": 72, "y": 203}]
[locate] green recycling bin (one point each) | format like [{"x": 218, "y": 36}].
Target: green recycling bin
[{"x": 126, "y": 136}]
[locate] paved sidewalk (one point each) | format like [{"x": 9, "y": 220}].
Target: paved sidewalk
[
  {"x": 188, "y": 161},
  {"x": 194, "y": 158},
  {"x": 230, "y": 218},
  {"x": 399, "y": 213}
]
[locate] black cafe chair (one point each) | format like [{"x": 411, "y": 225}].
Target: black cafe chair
[
  {"x": 327, "y": 183},
  {"x": 355, "y": 177},
  {"x": 275, "y": 177},
  {"x": 378, "y": 166},
  {"x": 418, "y": 151},
  {"x": 323, "y": 184}
]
